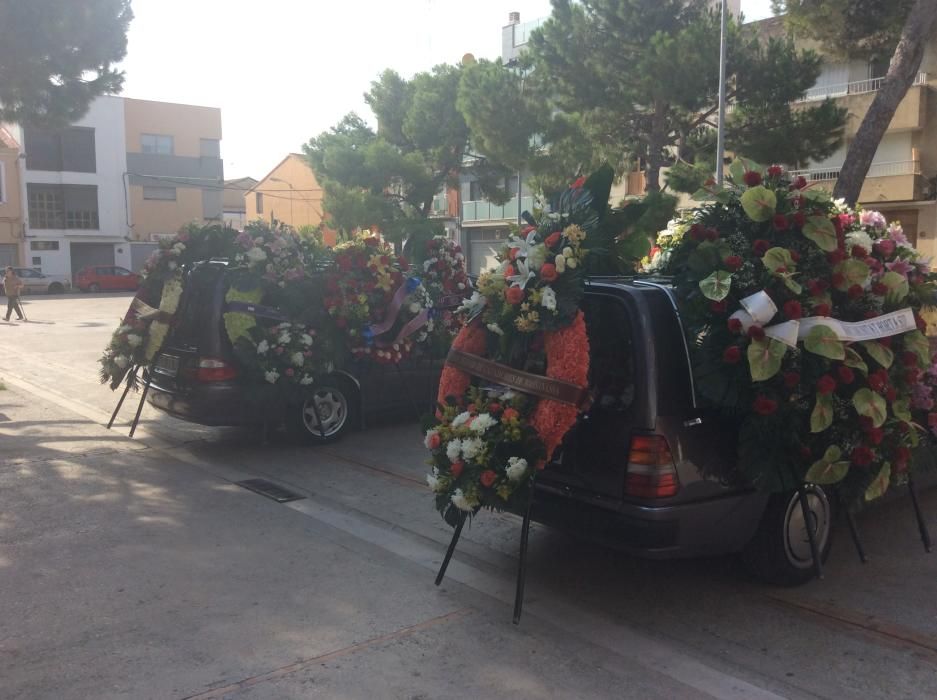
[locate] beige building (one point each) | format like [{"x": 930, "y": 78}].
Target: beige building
[
  {"x": 233, "y": 203},
  {"x": 174, "y": 167},
  {"x": 289, "y": 193},
  {"x": 11, "y": 209}
]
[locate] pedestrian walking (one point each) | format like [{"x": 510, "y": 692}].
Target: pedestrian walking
[{"x": 12, "y": 286}]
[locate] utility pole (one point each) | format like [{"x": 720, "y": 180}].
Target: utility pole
[{"x": 721, "y": 135}]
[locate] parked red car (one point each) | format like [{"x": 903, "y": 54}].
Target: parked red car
[{"x": 106, "y": 278}]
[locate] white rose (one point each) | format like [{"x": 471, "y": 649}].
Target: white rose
[
  {"x": 516, "y": 468},
  {"x": 453, "y": 448},
  {"x": 548, "y": 299},
  {"x": 297, "y": 359},
  {"x": 272, "y": 376},
  {"x": 262, "y": 347}
]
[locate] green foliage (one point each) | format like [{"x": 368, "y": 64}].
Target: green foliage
[
  {"x": 764, "y": 358},
  {"x": 829, "y": 469},
  {"x": 56, "y": 56}
]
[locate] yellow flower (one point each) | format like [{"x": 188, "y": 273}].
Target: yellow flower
[{"x": 574, "y": 233}]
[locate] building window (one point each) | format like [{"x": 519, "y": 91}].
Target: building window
[
  {"x": 167, "y": 194},
  {"x": 209, "y": 148},
  {"x": 62, "y": 206},
  {"x": 71, "y": 149},
  {"x": 475, "y": 191},
  {"x": 259, "y": 201},
  {"x": 43, "y": 245},
  {"x": 37, "y": 261},
  {"x": 156, "y": 143}
]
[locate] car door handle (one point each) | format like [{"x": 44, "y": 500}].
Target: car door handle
[{"x": 691, "y": 422}]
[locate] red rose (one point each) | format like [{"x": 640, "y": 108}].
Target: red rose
[
  {"x": 527, "y": 229},
  {"x": 799, "y": 183},
  {"x": 845, "y": 374},
  {"x": 859, "y": 252},
  {"x": 752, "y": 178},
  {"x": 434, "y": 441},
  {"x": 732, "y": 355},
  {"x": 877, "y": 380},
  {"x": 779, "y": 221},
  {"x": 855, "y": 291},
  {"x": 800, "y": 219},
  {"x": 884, "y": 247},
  {"x": 735, "y": 325},
  {"x": 873, "y": 264},
  {"x": 553, "y": 239},
  {"x": 775, "y": 171},
  {"x": 826, "y": 384},
  {"x": 791, "y": 379},
  {"x": 733, "y": 262},
  {"x": 793, "y": 310},
  {"x": 822, "y": 310},
  {"x": 548, "y": 272},
  {"x": 756, "y": 332},
  {"x": 487, "y": 478},
  {"x": 718, "y": 307},
  {"x": 875, "y": 436},
  {"x": 509, "y": 271},
  {"x": 456, "y": 469},
  {"x": 760, "y": 247},
  {"x": 764, "y": 406},
  {"x": 509, "y": 414},
  {"x": 861, "y": 456},
  {"x": 880, "y": 289},
  {"x": 911, "y": 376},
  {"x": 514, "y": 295}
]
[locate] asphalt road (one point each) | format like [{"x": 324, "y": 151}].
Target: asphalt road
[{"x": 138, "y": 569}]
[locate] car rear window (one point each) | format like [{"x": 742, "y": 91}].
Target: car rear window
[
  {"x": 198, "y": 317},
  {"x": 674, "y": 393}
]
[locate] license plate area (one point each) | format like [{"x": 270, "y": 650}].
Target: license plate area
[{"x": 168, "y": 365}]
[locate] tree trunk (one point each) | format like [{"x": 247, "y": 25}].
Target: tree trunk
[
  {"x": 902, "y": 70},
  {"x": 655, "y": 147}
]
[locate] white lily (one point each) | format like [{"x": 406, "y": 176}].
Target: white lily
[{"x": 523, "y": 276}]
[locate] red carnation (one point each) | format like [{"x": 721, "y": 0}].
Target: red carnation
[
  {"x": 845, "y": 374},
  {"x": 875, "y": 436},
  {"x": 877, "y": 380},
  {"x": 456, "y": 469},
  {"x": 735, "y": 325},
  {"x": 822, "y": 310},
  {"x": 859, "y": 252},
  {"x": 791, "y": 379},
  {"x": 752, "y": 178},
  {"x": 779, "y": 221},
  {"x": 487, "y": 478},
  {"x": 548, "y": 272},
  {"x": 836, "y": 257},
  {"x": 732, "y": 355},
  {"x": 775, "y": 170},
  {"x": 826, "y": 384},
  {"x": 756, "y": 332},
  {"x": 718, "y": 307},
  {"x": 764, "y": 406},
  {"x": 712, "y": 234},
  {"x": 908, "y": 359},
  {"x": 873, "y": 264},
  {"x": 553, "y": 239},
  {"x": 760, "y": 247},
  {"x": 800, "y": 219},
  {"x": 514, "y": 295},
  {"x": 861, "y": 456},
  {"x": 494, "y": 407},
  {"x": 578, "y": 182},
  {"x": 793, "y": 310},
  {"x": 855, "y": 291},
  {"x": 795, "y": 256},
  {"x": 880, "y": 289},
  {"x": 799, "y": 183},
  {"x": 733, "y": 262},
  {"x": 866, "y": 423}
]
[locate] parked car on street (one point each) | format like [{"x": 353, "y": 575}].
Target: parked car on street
[
  {"x": 107, "y": 278},
  {"x": 645, "y": 469},
  {"x": 36, "y": 281}
]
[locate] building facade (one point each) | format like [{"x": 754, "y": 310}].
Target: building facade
[
  {"x": 11, "y": 210},
  {"x": 234, "y": 207},
  {"x": 103, "y": 190}
]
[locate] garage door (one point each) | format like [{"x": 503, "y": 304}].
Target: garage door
[{"x": 87, "y": 254}]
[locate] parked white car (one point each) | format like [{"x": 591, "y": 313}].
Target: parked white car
[{"x": 35, "y": 281}]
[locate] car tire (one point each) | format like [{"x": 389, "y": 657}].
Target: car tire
[
  {"x": 56, "y": 288},
  {"x": 94, "y": 288},
  {"x": 337, "y": 402},
  {"x": 779, "y": 553}
]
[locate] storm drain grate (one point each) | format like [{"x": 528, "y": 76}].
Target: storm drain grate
[{"x": 270, "y": 490}]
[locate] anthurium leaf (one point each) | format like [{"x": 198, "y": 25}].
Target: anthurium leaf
[
  {"x": 902, "y": 410},
  {"x": 821, "y": 340},
  {"x": 913, "y": 436},
  {"x": 791, "y": 283},
  {"x": 879, "y": 485},
  {"x": 854, "y": 271},
  {"x": 760, "y": 203},
  {"x": 822, "y": 416},
  {"x": 878, "y": 352},
  {"x": 897, "y": 286},
  {"x": 820, "y": 230},
  {"x": 854, "y": 360},
  {"x": 871, "y": 405},
  {"x": 716, "y": 287},
  {"x": 829, "y": 469},
  {"x": 764, "y": 358},
  {"x": 737, "y": 171},
  {"x": 917, "y": 342},
  {"x": 776, "y": 258}
]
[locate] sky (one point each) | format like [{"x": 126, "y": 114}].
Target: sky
[{"x": 283, "y": 71}]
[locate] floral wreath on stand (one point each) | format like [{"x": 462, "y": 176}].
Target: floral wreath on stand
[
  {"x": 447, "y": 283},
  {"x": 804, "y": 317},
  {"x": 516, "y": 376}
]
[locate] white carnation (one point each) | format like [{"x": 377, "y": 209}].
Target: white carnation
[
  {"x": 861, "y": 238},
  {"x": 133, "y": 340},
  {"x": 471, "y": 447},
  {"x": 297, "y": 358},
  {"x": 305, "y": 339},
  {"x": 461, "y": 419},
  {"x": 433, "y": 480},
  {"x": 482, "y": 422},
  {"x": 548, "y": 300},
  {"x": 516, "y": 468},
  {"x": 306, "y": 380},
  {"x": 262, "y": 347},
  {"x": 463, "y": 502},
  {"x": 284, "y": 338},
  {"x": 272, "y": 376},
  {"x": 453, "y": 448}
]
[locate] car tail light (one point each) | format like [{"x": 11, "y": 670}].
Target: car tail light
[
  {"x": 651, "y": 471},
  {"x": 211, "y": 369}
]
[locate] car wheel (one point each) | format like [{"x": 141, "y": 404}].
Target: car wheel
[
  {"x": 56, "y": 288},
  {"x": 94, "y": 288},
  {"x": 779, "y": 553},
  {"x": 336, "y": 401}
]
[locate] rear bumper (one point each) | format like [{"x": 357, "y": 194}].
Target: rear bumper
[
  {"x": 223, "y": 403},
  {"x": 709, "y": 527}
]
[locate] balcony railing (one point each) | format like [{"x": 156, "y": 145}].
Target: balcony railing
[
  {"x": 888, "y": 169},
  {"x": 859, "y": 87},
  {"x": 482, "y": 210}
]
